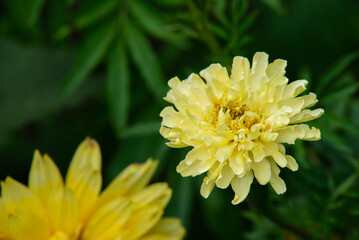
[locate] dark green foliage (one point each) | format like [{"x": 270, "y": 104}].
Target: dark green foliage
[{"x": 74, "y": 68}]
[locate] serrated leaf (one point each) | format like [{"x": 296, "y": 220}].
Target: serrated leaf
[
  {"x": 91, "y": 54},
  {"x": 146, "y": 61},
  {"x": 118, "y": 86},
  {"x": 141, "y": 129},
  {"x": 335, "y": 71}
]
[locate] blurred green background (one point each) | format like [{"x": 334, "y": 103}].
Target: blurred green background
[{"x": 76, "y": 68}]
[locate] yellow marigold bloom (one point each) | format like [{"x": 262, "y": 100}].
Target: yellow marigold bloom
[
  {"x": 236, "y": 124},
  {"x": 53, "y": 209}
]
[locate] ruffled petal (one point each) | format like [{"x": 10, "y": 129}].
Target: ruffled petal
[
  {"x": 262, "y": 171},
  {"x": 241, "y": 187}
]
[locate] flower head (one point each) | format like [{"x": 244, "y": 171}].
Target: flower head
[
  {"x": 74, "y": 209},
  {"x": 237, "y": 124}
]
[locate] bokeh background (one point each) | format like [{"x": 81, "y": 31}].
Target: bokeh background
[{"x": 76, "y": 68}]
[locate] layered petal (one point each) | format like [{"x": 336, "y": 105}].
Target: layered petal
[{"x": 236, "y": 124}]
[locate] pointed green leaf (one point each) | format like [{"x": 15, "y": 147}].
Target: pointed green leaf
[
  {"x": 117, "y": 86},
  {"x": 219, "y": 10},
  {"x": 275, "y": 5},
  {"x": 95, "y": 13},
  {"x": 141, "y": 129},
  {"x": 341, "y": 94},
  {"x": 342, "y": 124},
  {"x": 300, "y": 154},
  {"x": 335, "y": 71},
  {"x": 34, "y": 11},
  {"x": 91, "y": 54},
  {"x": 333, "y": 138},
  {"x": 149, "y": 17},
  {"x": 146, "y": 61},
  {"x": 344, "y": 186}
]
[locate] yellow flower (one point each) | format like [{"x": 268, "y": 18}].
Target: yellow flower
[
  {"x": 53, "y": 209},
  {"x": 236, "y": 124}
]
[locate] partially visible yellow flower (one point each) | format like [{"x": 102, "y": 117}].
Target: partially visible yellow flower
[
  {"x": 236, "y": 124},
  {"x": 74, "y": 209}
]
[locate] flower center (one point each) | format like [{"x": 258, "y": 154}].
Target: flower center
[{"x": 236, "y": 116}]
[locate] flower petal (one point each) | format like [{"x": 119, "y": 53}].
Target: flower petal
[
  {"x": 63, "y": 210},
  {"x": 292, "y": 164},
  {"x": 272, "y": 149},
  {"x": 4, "y": 225},
  {"x": 44, "y": 176},
  {"x": 225, "y": 177},
  {"x": 207, "y": 187},
  {"x": 86, "y": 186},
  {"x": 290, "y": 133},
  {"x": 306, "y": 115},
  {"x": 25, "y": 225},
  {"x": 241, "y": 187},
  {"x": 87, "y": 156},
  {"x": 275, "y": 181},
  {"x": 262, "y": 171},
  {"x": 108, "y": 219},
  {"x": 294, "y": 89},
  {"x": 16, "y": 196},
  {"x": 167, "y": 228},
  {"x": 134, "y": 178}
]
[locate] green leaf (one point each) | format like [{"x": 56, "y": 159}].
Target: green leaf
[
  {"x": 31, "y": 78},
  {"x": 333, "y": 138},
  {"x": 141, "y": 129},
  {"x": 249, "y": 20},
  {"x": 238, "y": 9},
  {"x": 149, "y": 18},
  {"x": 95, "y": 13},
  {"x": 335, "y": 71},
  {"x": 171, "y": 3},
  {"x": 219, "y": 10},
  {"x": 344, "y": 186},
  {"x": 300, "y": 156},
  {"x": 219, "y": 31},
  {"x": 183, "y": 190},
  {"x": 275, "y": 5},
  {"x": 117, "y": 86},
  {"x": 34, "y": 11},
  {"x": 127, "y": 152},
  {"x": 146, "y": 61},
  {"x": 341, "y": 94},
  {"x": 342, "y": 123},
  {"x": 91, "y": 54},
  {"x": 181, "y": 202}
]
